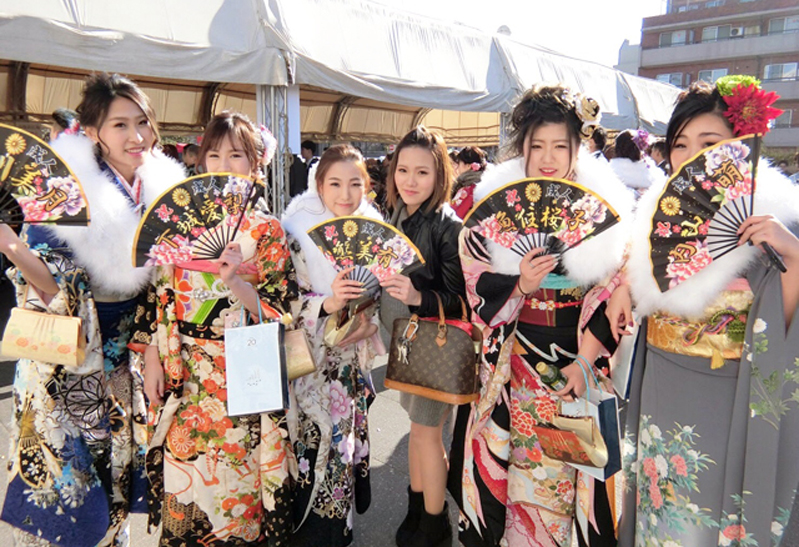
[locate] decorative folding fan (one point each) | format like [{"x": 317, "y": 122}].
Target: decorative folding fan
[
  {"x": 193, "y": 221},
  {"x": 543, "y": 212},
  {"x": 376, "y": 249},
  {"x": 36, "y": 186},
  {"x": 701, "y": 208}
]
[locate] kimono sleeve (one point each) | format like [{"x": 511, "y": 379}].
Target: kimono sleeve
[
  {"x": 489, "y": 293},
  {"x": 277, "y": 285}
]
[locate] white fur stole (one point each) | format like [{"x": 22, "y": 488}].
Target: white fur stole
[
  {"x": 105, "y": 247},
  {"x": 593, "y": 259},
  {"x": 775, "y": 195},
  {"x": 637, "y": 174}
]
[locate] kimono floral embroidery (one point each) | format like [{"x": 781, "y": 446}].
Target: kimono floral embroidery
[
  {"x": 671, "y": 465},
  {"x": 768, "y": 399}
]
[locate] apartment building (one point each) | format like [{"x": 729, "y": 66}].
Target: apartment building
[{"x": 707, "y": 39}]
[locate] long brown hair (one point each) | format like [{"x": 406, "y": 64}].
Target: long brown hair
[
  {"x": 99, "y": 92},
  {"x": 431, "y": 141},
  {"x": 238, "y": 128}
]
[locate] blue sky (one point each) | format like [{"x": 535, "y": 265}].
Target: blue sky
[{"x": 587, "y": 29}]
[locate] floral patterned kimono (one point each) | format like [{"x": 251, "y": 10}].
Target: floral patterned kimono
[
  {"x": 329, "y": 422},
  {"x": 713, "y": 419},
  {"x": 216, "y": 479},
  {"x": 78, "y": 435},
  {"x": 509, "y": 492}
]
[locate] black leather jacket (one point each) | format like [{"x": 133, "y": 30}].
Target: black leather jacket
[{"x": 435, "y": 233}]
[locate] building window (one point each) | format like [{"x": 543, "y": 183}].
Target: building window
[
  {"x": 784, "y": 119},
  {"x": 710, "y": 76},
  {"x": 674, "y": 78},
  {"x": 781, "y": 71},
  {"x": 714, "y": 3},
  {"x": 676, "y": 38},
  {"x": 783, "y": 24},
  {"x": 714, "y": 34}
]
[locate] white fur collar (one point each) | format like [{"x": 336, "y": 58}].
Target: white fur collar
[
  {"x": 775, "y": 195},
  {"x": 105, "y": 247},
  {"x": 303, "y": 213},
  {"x": 592, "y": 260},
  {"x": 637, "y": 174}
]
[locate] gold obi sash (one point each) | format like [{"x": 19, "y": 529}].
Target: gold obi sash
[{"x": 718, "y": 336}]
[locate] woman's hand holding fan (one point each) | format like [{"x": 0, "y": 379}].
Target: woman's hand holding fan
[
  {"x": 703, "y": 210},
  {"x": 365, "y": 252},
  {"x": 533, "y": 268}
]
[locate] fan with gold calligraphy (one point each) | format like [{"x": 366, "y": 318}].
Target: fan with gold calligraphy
[
  {"x": 700, "y": 210},
  {"x": 555, "y": 214},
  {"x": 194, "y": 220},
  {"x": 36, "y": 185},
  {"x": 375, "y": 249}
]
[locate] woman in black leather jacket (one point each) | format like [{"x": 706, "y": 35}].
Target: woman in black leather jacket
[{"x": 419, "y": 185}]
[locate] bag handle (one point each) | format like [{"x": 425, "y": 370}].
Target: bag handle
[
  {"x": 243, "y": 322},
  {"x": 441, "y": 337},
  {"x": 70, "y": 309}
]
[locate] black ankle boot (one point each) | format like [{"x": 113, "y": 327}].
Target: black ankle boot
[
  {"x": 411, "y": 522},
  {"x": 433, "y": 530}
]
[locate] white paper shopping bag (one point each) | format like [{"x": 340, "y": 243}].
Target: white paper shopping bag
[{"x": 255, "y": 362}]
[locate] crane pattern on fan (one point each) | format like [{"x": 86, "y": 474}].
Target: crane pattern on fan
[
  {"x": 700, "y": 210},
  {"x": 36, "y": 185},
  {"x": 552, "y": 213},
  {"x": 375, "y": 249},
  {"x": 193, "y": 220}
]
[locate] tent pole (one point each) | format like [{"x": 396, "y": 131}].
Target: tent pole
[{"x": 271, "y": 104}]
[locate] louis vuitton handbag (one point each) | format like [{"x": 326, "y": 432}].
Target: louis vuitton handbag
[
  {"x": 436, "y": 358},
  {"x": 44, "y": 337}
]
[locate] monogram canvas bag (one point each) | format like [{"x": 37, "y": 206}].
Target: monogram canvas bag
[{"x": 436, "y": 358}]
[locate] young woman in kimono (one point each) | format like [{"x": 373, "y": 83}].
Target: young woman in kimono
[
  {"x": 217, "y": 479},
  {"x": 79, "y": 433},
  {"x": 419, "y": 186},
  {"x": 713, "y": 421},
  {"x": 329, "y": 421},
  {"x": 508, "y": 490}
]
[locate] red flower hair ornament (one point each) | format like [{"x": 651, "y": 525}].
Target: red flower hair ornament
[{"x": 749, "y": 107}]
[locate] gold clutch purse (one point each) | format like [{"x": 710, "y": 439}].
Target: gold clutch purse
[
  {"x": 346, "y": 321},
  {"x": 44, "y": 337},
  {"x": 299, "y": 359}
]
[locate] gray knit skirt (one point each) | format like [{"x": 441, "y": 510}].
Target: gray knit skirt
[{"x": 424, "y": 411}]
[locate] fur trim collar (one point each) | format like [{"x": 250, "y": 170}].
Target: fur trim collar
[
  {"x": 592, "y": 260},
  {"x": 105, "y": 247},
  {"x": 637, "y": 174},
  {"x": 303, "y": 213},
  {"x": 775, "y": 195}
]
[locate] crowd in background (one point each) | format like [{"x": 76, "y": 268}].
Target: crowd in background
[{"x": 141, "y": 425}]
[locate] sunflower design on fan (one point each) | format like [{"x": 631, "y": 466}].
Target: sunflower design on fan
[
  {"x": 555, "y": 214},
  {"x": 700, "y": 209},
  {"x": 36, "y": 185},
  {"x": 193, "y": 220},
  {"x": 375, "y": 249}
]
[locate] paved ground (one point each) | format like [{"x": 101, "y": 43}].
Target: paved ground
[{"x": 375, "y": 528}]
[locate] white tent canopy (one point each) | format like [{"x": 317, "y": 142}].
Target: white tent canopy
[
  {"x": 382, "y": 70},
  {"x": 211, "y": 40}
]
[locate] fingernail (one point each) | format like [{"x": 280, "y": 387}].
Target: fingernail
[{"x": 630, "y": 324}]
